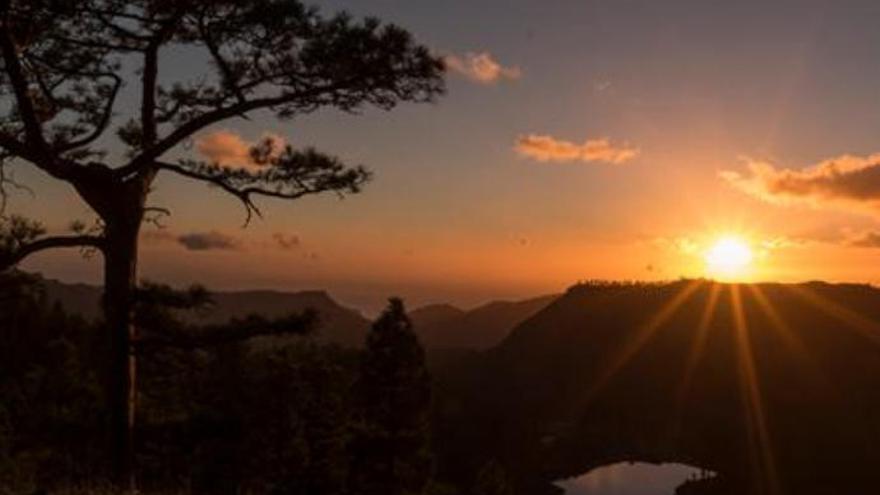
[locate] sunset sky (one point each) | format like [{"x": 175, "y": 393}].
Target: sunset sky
[{"x": 612, "y": 139}]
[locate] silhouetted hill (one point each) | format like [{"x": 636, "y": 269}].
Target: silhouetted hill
[
  {"x": 440, "y": 326},
  {"x": 81, "y": 299},
  {"x": 434, "y": 314},
  {"x": 340, "y": 324},
  {"x": 776, "y": 388},
  {"x": 447, "y": 327}
]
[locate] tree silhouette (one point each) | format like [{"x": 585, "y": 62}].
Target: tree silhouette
[
  {"x": 65, "y": 63},
  {"x": 391, "y": 444}
]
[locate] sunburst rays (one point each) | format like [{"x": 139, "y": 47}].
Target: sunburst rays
[
  {"x": 698, "y": 344},
  {"x": 642, "y": 336},
  {"x": 866, "y": 327},
  {"x": 792, "y": 341},
  {"x": 746, "y": 302},
  {"x": 764, "y": 465}
]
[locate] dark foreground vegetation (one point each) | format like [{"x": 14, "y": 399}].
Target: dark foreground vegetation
[
  {"x": 771, "y": 387},
  {"x": 64, "y": 66},
  {"x": 266, "y": 414}
]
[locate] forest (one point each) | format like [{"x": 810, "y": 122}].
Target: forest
[{"x": 266, "y": 413}]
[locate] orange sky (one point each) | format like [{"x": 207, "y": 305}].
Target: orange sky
[{"x": 580, "y": 140}]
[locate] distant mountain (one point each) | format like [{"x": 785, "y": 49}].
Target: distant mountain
[
  {"x": 440, "y": 326},
  {"x": 447, "y": 327},
  {"x": 339, "y": 324},
  {"x": 434, "y": 314},
  {"x": 81, "y": 299},
  {"x": 774, "y": 387}
]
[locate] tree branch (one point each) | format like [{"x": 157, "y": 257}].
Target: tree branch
[
  {"x": 228, "y": 78},
  {"x": 151, "y": 154},
  {"x": 250, "y": 207},
  {"x": 104, "y": 121},
  {"x": 19, "y": 149},
  {"x": 288, "y": 175},
  {"x": 148, "y": 96},
  {"x": 14, "y": 70},
  {"x": 237, "y": 330},
  {"x": 6, "y": 179},
  {"x": 12, "y": 258},
  {"x": 119, "y": 30},
  {"x": 149, "y": 78}
]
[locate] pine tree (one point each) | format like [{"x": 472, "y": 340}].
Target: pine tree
[
  {"x": 391, "y": 445},
  {"x": 64, "y": 63}
]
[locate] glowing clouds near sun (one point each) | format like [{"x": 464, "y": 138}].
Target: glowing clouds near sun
[
  {"x": 846, "y": 182},
  {"x": 545, "y": 148},
  {"x": 725, "y": 255}
]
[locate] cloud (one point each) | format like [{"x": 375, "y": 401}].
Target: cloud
[
  {"x": 784, "y": 242},
  {"x": 208, "y": 241},
  {"x": 848, "y": 182},
  {"x": 286, "y": 242},
  {"x": 218, "y": 241},
  {"x": 481, "y": 68},
  {"x": 867, "y": 240},
  {"x": 547, "y": 148},
  {"x": 229, "y": 149},
  {"x": 698, "y": 246},
  {"x": 846, "y": 237}
]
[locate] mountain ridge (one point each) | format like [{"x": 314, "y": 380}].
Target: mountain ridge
[
  {"x": 784, "y": 376},
  {"x": 439, "y": 326},
  {"x": 481, "y": 327}
]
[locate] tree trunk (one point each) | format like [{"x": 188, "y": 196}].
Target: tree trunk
[{"x": 120, "y": 279}]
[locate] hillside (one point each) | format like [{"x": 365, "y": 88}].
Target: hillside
[
  {"x": 340, "y": 325},
  {"x": 434, "y": 314},
  {"x": 775, "y": 386},
  {"x": 440, "y": 326},
  {"x": 447, "y": 327}
]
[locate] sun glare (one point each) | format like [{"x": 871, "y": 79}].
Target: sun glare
[{"x": 729, "y": 258}]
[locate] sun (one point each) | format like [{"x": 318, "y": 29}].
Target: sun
[{"x": 729, "y": 258}]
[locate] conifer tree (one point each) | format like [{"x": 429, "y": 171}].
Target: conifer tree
[
  {"x": 63, "y": 66},
  {"x": 391, "y": 446}
]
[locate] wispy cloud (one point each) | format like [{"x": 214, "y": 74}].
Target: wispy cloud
[
  {"x": 697, "y": 247},
  {"x": 847, "y": 182},
  {"x": 549, "y": 149},
  {"x": 229, "y": 149},
  {"x": 831, "y": 236},
  {"x": 845, "y": 237},
  {"x": 869, "y": 239},
  {"x": 214, "y": 240},
  {"x": 208, "y": 241},
  {"x": 481, "y": 68}
]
